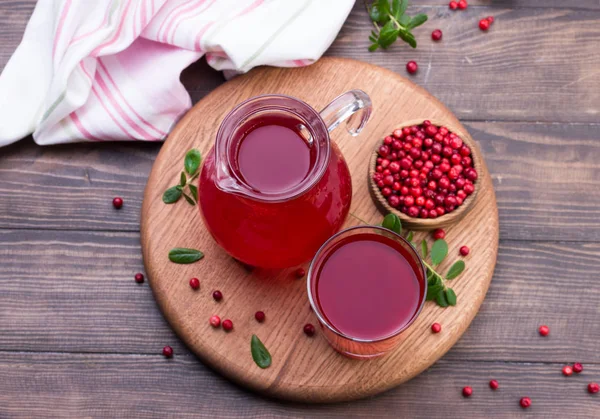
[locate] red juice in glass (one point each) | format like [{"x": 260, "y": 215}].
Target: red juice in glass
[
  {"x": 366, "y": 285},
  {"x": 274, "y": 187}
]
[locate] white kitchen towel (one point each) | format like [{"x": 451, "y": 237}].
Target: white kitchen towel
[{"x": 103, "y": 70}]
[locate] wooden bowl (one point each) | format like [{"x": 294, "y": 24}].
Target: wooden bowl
[{"x": 429, "y": 223}]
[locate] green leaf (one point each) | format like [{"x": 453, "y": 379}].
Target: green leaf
[
  {"x": 392, "y": 222},
  {"x": 192, "y": 161},
  {"x": 171, "y": 195},
  {"x": 260, "y": 354},
  {"x": 410, "y": 236},
  {"x": 424, "y": 249},
  {"x": 439, "y": 251},
  {"x": 432, "y": 291},
  {"x": 373, "y": 47},
  {"x": 417, "y": 20},
  {"x": 372, "y": 39},
  {"x": 451, "y": 296},
  {"x": 384, "y": 11},
  {"x": 194, "y": 191},
  {"x": 399, "y": 7},
  {"x": 182, "y": 179},
  {"x": 388, "y": 35},
  {"x": 440, "y": 298},
  {"x": 183, "y": 255},
  {"x": 408, "y": 37},
  {"x": 455, "y": 269},
  {"x": 404, "y": 20},
  {"x": 188, "y": 199},
  {"x": 374, "y": 13}
]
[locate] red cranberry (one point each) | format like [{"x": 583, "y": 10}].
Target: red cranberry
[
  {"x": 447, "y": 151},
  {"x": 456, "y": 142},
  {"x": 118, "y": 202},
  {"x": 456, "y": 159},
  {"x": 394, "y": 201},
  {"x": 577, "y": 367},
  {"x": 195, "y": 283},
  {"x": 490, "y": 19},
  {"x": 431, "y": 130},
  {"x": 432, "y": 185},
  {"x": 439, "y": 233},
  {"x": 443, "y": 131},
  {"x": 405, "y": 164},
  {"x": 406, "y": 131},
  {"x": 427, "y": 143},
  {"x": 388, "y": 140},
  {"x": 413, "y": 211},
  {"x": 460, "y": 183},
  {"x": 386, "y": 172},
  {"x": 444, "y": 166},
  {"x": 429, "y": 164},
  {"x": 380, "y": 183},
  {"x": 433, "y": 213},
  {"x": 418, "y": 142},
  {"x": 384, "y": 150},
  {"x": 300, "y": 272},
  {"x": 404, "y": 190},
  {"x": 494, "y": 384},
  {"x": 436, "y": 35},
  {"x": 466, "y": 161},
  {"x": 525, "y": 402},
  {"x": 469, "y": 188},
  {"x": 467, "y": 391},
  {"x": 215, "y": 321},
  {"x": 419, "y": 164},
  {"x": 379, "y": 169},
  {"x": 420, "y": 201},
  {"x": 386, "y": 191},
  {"x": 484, "y": 24},
  {"x": 426, "y": 123},
  {"x": 167, "y": 352},
  {"x": 444, "y": 182},
  {"x": 436, "y": 148},
  {"x": 464, "y": 250},
  {"x": 309, "y": 329},
  {"x": 404, "y": 173},
  {"x": 217, "y": 295},
  {"x": 412, "y": 67},
  {"x": 461, "y": 194},
  {"x": 259, "y": 316},
  {"x": 397, "y": 186},
  {"x": 415, "y": 153},
  {"x": 450, "y": 201},
  {"x": 462, "y": 4},
  {"x": 396, "y": 145},
  {"x": 394, "y": 167},
  {"x": 453, "y": 174},
  {"x": 139, "y": 277},
  {"x": 414, "y": 182},
  {"x": 436, "y": 328},
  {"x": 423, "y": 213},
  {"x": 544, "y": 330},
  {"x": 388, "y": 180},
  {"x": 440, "y": 211},
  {"x": 593, "y": 388},
  {"x": 436, "y": 158},
  {"x": 385, "y": 163},
  {"x": 416, "y": 191},
  {"x": 465, "y": 151},
  {"x": 439, "y": 199},
  {"x": 397, "y": 133},
  {"x": 227, "y": 325},
  {"x": 459, "y": 201},
  {"x": 471, "y": 174},
  {"x": 453, "y": 5},
  {"x": 567, "y": 370},
  {"x": 429, "y": 204},
  {"x": 409, "y": 201}
]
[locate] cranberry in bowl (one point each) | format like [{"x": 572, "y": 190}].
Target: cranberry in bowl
[
  {"x": 366, "y": 285},
  {"x": 425, "y": 172}
]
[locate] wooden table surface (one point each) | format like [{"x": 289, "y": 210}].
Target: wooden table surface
[{"x": 78, "y": 338}]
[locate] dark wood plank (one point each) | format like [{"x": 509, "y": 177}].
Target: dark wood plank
[
  {"x": 74, "y": 292},
  {"x": 539, "y": 172},
  {"x": 535, "y": 64},
  {"x": 65, "y": 385}
]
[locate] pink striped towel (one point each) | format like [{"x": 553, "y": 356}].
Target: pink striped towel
[{"x": 109, "y": 69}]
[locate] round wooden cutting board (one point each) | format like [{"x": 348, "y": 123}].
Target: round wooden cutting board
[{"x": 303, "y": 368}]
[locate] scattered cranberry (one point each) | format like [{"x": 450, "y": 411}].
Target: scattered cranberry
[
  {"x": 577, "y": 367},
  {"x": 195, "y": 283},
  {"x": 139, "y": 277},
  {"x": 436, "y": 328},
  {"x": 484, "y": 24},
  {"x": 436, "y": 35},
  {"x": 215, "y": 321},
  {"x": 462, "y": 4},
  {"x": 464, "y": 250},
  {"x": 300, "y": 272},
  {"x": 467, "y": 391},
  {"x": 439, "y": 233},
  {"x": 593, "y": 388},
  {"x": 544, "y": 330},
  {"x": 118, "y": 202},
  {"x": 453, "y": 5},
  {"x": 227, "y": 325},
  {"x": 217, "y": 295},
  {"x": 567, "y": 370},
  {"x": 490, "y": 19},
  {"x": 494, "y": 384},
  {"x": 525, "y": 402},
  {"x": 168, "y": 351},
  {"x": 309, "y": 329},
  {"x": 259, "y": 316},
  {"x": 412, "y": 67}
]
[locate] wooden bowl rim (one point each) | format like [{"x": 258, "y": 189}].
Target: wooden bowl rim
[{"x": 446, "y": 219}]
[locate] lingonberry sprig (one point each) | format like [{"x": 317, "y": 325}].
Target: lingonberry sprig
[
  {"x": 437, "y": 289},
  {"x": 191, "y": 165},
  {"x": 391, "y": 23}
]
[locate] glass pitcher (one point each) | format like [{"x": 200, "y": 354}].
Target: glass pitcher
[{"x": 275, "y": 187}]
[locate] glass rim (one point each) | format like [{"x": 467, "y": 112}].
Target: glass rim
[
  {"x": 244, "y": 110},
  {"x": 312, "y": 277}
]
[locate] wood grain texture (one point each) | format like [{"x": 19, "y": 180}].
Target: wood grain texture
[
  {"x": 303, "y": 369},
  {"x": 539, "y": 171},
  {"x": 65, "y": 385},
  {"x": 73, "y": 291}
]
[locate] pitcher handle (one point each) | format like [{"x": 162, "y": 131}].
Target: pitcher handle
[{"x": 354, "y": 107}]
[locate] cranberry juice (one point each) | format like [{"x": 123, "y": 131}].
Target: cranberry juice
[
  {"x": 367, "y": 287},
  {"x": 272, "y": 156}
]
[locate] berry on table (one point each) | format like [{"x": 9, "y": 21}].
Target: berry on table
[
  {"x": 227, "y": 325},
  {"x": 412, "y": 67},
  {"x": 436, "y": 35},
  {"x": 593, "y": 388},
  {"x": 139, "y": 277},
  {"x": 467, "y": 391},
  {"x": 490, "y": 19},
  {"x": 577, "y": 368},
  {"x": 567, "y": 370},
  {"x": 484, "y": 24},
  {"x": 217, "y": 295},
  {"x": 462, "y": 4},
  {"x": 453, "y": 5},
  {"x": 300, "y": 272},
  {"x": 215, "y": 321},
  {"x": 117, "y": 202},
  {"x": 464, "y": 250},
  {"x": 544, "y": 330},
  {"x": 309, "y": 329},
  {"x": 439, "y": 233},
  {"x": 259, "y": 316},
  {"x": 436, "y": 328},
  {"x": 494, "y": 384},
  {"x": 525, "y": 402},
  {"x": 167, "y": 351},
  {"x": 195, "y": 283}
]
